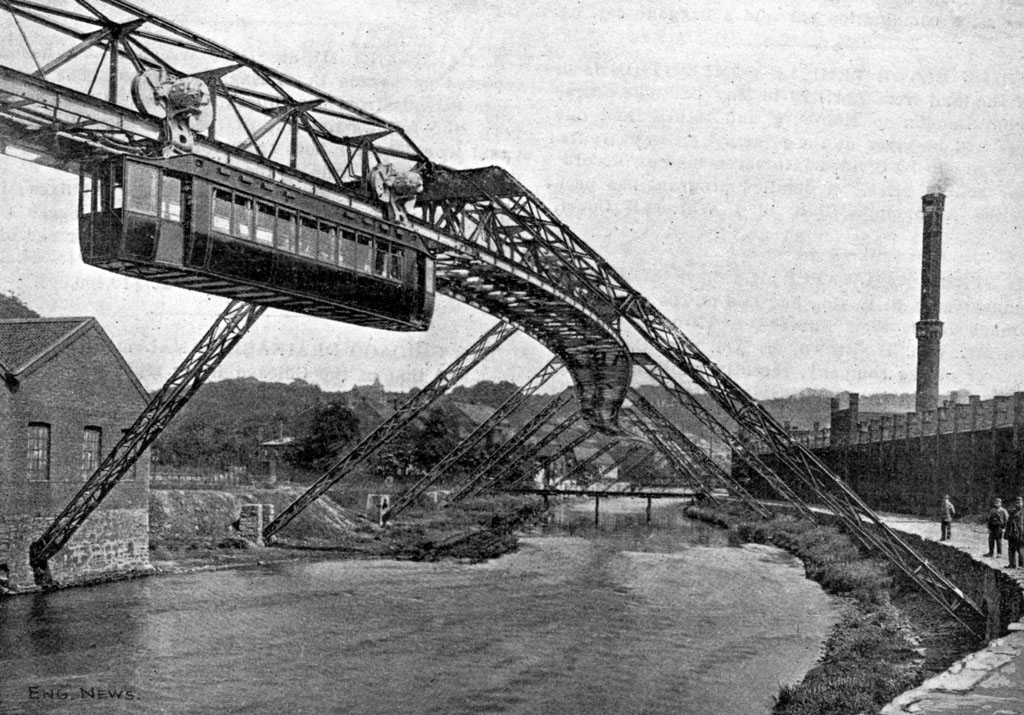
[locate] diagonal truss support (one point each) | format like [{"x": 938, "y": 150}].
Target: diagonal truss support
[
  {"x": 626, "y": 455},
  {"x": 394, "y": 424},
  {"x": 636, "y": 466},
  {"x": 582, "y": 464},
  {"x": 675, "y": 458},
  {"x": 204, "y": 358},
  {"x": 694, "y": 454},
  {"x": 556, "y": 432},
  {"x": 498, "y": 462},
  {"x": 460, "y": 450},
  {"x": 688, "y": 402},
  {"x": 820, "y": 481}
]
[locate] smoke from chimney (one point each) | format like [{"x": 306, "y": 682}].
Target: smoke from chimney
[{"x": 942, "y": 179}]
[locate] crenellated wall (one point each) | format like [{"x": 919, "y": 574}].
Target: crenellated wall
[{"x": 907, "y": 462}]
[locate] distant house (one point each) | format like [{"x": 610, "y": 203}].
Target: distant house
[
  {"x": 67, "y": 396},
  {"x": 271, "y": 457}
]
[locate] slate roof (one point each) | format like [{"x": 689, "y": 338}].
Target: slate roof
[
  {"x": 28, "y": 343},
  {"x": 24, "y": 341}
]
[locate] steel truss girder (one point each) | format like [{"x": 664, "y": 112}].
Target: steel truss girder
[
  {"x": 693, "y": 406},
  {"x": 496, "y": 463},
  {"x": 393, "y": 425},
  {"x": 636, "y": 466},
  {"x": 695, "y": 454},
  {"x": 833, "y": 493},
  {"x": 555, "y": 432},
  {"x": 581, "y": 466},
  {"x": 510, "y": 405},
  {"x": 676, "y": 461},
  {"x": 626, "y": 455},
  {"x": 198, "y": 365}
]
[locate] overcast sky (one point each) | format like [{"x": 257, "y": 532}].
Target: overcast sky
[{"x": 755, "y": 171}]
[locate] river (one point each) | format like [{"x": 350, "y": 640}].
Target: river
[{"x": 619, "y": 618}]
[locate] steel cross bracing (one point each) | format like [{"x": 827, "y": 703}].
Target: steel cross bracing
[
  {"x": 565, "y": 450},
  {"x": 738, "y": 447},
  {"x": 626, "y": 455},
  {"x": 393, "y": 425},
  {"x": 54, "y": 111},
  {"x": 501, "y": 457},
  {"x": 627, "y": 470},
  {"x": 581, "y": 466},
  {"x": 557, "y": 431},
  {"x": 510, "y": 405},
  {"x": 208, "y": 353},
  {"x": 483, "y": 224},
  {"x": 684, "y": 469},
  {"x": 707, "y": 465}
]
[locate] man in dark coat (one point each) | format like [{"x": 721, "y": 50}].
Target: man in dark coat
[
  {"x": 946, "y": 514},
  {"x": 1015, "y": 534},
  {"x": 997, "y": 518}
]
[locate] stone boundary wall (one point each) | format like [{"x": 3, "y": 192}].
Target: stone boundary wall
[
  {"x": 907, "y": 462},
  {"x": 111, "y": 541}
]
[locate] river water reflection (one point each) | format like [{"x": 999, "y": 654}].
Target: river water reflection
[{"x": 621, "y": 618}]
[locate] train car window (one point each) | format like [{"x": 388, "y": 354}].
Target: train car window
[
  {"x": 143, "y": 181},
  {"x": 266, "y": 215},
  {"x": 380, "y": 259},
  {"x": 88, "y": 191},
  {"x": 117, "y": 187},
  {"x": 327, "y": 245},
  {"x": 242, "y": 218},
  {"x": 307, "y": 237},
  {"x": 284, "y": 238},
  {"x": 364, "y": 254},
  {"x": 222, "y": 211},
  {"x": 396, "y": 261},
  {"x": 347, "y": 249},
  {"x": 170, "y": 198}
]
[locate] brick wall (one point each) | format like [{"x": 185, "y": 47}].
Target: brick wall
[{"x": 85, "y": 384}]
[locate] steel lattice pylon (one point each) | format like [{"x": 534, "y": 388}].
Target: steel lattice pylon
[
  {"x": 506, "y": 408},
  {"x": 204, "y": 358},
  {"x": 502, "y": 457},
  {"x": 394, "y": 424},
  {"x": 557, "y": 431},
  {"x": 626, "y": 455},
  {"x": 693, "y": 406},
  {"x": 581, "y": 466}
]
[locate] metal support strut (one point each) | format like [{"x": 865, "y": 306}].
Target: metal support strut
[
  {"x": 506, "y": 408},
  {"x": 211, "y": 350},
  {"x": 556, "y": 432},
  {"x": 394, "y": 424}
]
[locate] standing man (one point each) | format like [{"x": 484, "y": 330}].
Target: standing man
[
  {"x": 1015, "y": 534},
  {"x": 997, "y": 518},
  {"x": 946, "y": 514}
]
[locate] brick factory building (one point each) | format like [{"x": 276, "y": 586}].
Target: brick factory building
[{"x": 68, "y": 395}]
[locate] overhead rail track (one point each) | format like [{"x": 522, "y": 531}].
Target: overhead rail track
[{"x": 65, "y": 98}]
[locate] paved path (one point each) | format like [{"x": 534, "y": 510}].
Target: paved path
[{"x": 990, "y": 681}]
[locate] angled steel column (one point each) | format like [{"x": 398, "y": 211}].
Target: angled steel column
[
  {"x": 695, "y": 454},
  {"x": 502, "y": 457},
  {"x": 636, "y": 466},
  {"x": 620, "y": 460},
  {"x": 693, "y": 406},
  {"x": 556, "y": 432},
  {"x": 582, "y": 464},
  {"x": 204, "y": 358},
  {"x": 506, "y": 408},
  {"x": 394, "y": 424},
  {"x": 676, "y": 460}
]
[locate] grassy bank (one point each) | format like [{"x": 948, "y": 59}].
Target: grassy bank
[
  {"x": 192, "y": 529},
  {"x": 889, "y": 638}
]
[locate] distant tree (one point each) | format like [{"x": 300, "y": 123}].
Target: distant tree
[
  {"x": 327, "y": 429},
  {"x": 12, "y": 307}
]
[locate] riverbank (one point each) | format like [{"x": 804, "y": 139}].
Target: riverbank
[
  {"x": 890, "y": 639},
  {"x": 192, "y": 530}
]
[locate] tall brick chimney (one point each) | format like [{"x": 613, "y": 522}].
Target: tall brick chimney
[{"x": 929, "y": 328}]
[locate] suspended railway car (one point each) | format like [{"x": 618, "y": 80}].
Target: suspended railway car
[{"x": 197, "y": 224}]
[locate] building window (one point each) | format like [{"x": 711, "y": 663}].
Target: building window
[
  {"x": 143, "y": 181},
  {"x": 38, "y": 451},
  {"x": 91, "y": 445}
]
